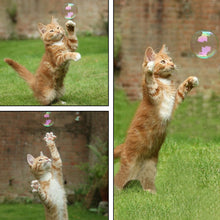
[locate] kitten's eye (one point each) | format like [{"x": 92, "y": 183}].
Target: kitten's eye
[
  {"x": 51, "y": 30},
  {"x": 58, "y": 28},
  {"x": 163, "y": 61},
  {"x": 40, "y": 159}
]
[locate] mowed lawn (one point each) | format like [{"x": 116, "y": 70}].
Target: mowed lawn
[
  {"x": 86, "y": 82},
  {"x": 36, "y": 212},
  {"x": 188, "y": 177}
]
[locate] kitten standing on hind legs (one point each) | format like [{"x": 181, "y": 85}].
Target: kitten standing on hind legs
[
  {"x": 49, "y": 181},
  {"x": 48, "y": 82},
  {"x": 139, "y": 153}
]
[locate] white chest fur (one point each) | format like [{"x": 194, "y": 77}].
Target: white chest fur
[
  {"x": 166, "y": 106},
  {"x": 58, "y": 43},
  {"x": 57, "y": 195}
]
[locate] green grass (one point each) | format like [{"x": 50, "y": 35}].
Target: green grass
[
  {"x": 86, "y": 82},
  {"x": 188, "y": 172},
  {"x": 36, "y": 212}
]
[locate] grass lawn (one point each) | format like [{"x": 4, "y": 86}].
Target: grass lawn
[
  {"x": 36, "y": 212},
  {"x": 86, "y": 82},
  {"x": 188, "y": 172}
]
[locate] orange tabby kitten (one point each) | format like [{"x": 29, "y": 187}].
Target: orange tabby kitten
[
  {"x": 147, "y": 132},
  {"x": 49, "y": 181},
  {"x": 47, "y": 83}
]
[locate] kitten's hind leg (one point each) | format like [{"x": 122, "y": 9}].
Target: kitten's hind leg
[
  {"x": 122, "y": 177},
  {"x": 147, "y": 175}
]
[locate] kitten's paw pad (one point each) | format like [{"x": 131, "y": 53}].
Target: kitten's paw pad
[
  {"x": 49, "y": 138},
  {"x": 35, "y": 185},
  {"x": 150, "y": 66},
  {"x": 78, "y": 57},
  {"x": 70, "y": 25}
]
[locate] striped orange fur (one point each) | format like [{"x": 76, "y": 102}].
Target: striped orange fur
[
  {"x": 139, "y": 153},
  {"x": 49, "y": 181},
  {"x": 47, "y": 84}
]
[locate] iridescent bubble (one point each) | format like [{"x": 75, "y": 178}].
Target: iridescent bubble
[
  {"x": 70, "y": 11},
  {"x": 48, "y": 121},
  {"x": 77, "y": 118},
  {"x": 204, "y": 44}
]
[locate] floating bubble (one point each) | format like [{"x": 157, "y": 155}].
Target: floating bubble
[
  {"x": 49, "y": 122},
  {"x": 70, "y": 11},
  {"x": 204, "y": 44},
  {"x": 77, "y": 118}
]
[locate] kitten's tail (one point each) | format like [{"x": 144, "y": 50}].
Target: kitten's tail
[
  {"x": 117, "y": 151},
  {"x": 22, "y": 71}
]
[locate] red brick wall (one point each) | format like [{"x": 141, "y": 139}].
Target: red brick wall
[
  {"x": 91, "y": 17},
  {"x": 146, "y": 23},
  {"x": 23, "y": 132}
]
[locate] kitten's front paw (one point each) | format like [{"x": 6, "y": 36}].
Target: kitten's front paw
[
  {"x": 150, "y": 66},
  {"x": 35, "y": 185},
  {"x": 70, "y": 26},
  {"x": 195, "y": 81},
  {"x": 49, "y": 138},
  {"x": 77, "y": 56},
  {"x": 192, "y": 82}
]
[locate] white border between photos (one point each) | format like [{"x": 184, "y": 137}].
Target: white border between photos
[{"x": 89, "y": 108}]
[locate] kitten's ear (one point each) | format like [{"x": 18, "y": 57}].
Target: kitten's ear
[
  {"x": 30, "y": 159},
  {"x": 149, "y": 55},
  {"x": 54, "y": 21},
  {"x": 42, "y": 28},
  {"x": 41, "y": 153},
  {"x": 164, "y": 49}
]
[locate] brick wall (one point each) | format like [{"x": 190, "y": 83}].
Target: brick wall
[
  {"x": 91, "y": 17},
  {"x": 23, "y": 132},
  {"x": 146, "y": 23}
]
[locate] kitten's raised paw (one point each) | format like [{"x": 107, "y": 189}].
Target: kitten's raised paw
[
  {"x": 35, "y": 185},
  {"x": 192, "y": 82},
  {"x": 150, "y": 66},
  {"x": 70, "y": 26},
  {"x": 195, "y": 81},
  {"x": 49, "y": 138}
]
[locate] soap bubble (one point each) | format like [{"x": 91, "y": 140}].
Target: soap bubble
[
  {"x": 70, "y": 11},
  {"x": 204, "y": 44},
  {"x": 49, "y": 122},
  {"x": 77, "y": 116}
]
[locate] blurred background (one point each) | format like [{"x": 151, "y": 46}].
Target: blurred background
[
  {"x": 139, "y": 24},
  {"x": 82, "y": 140},
  {"x": 19, "y": 18}
]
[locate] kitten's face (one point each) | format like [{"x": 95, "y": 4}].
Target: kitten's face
[
  {"x": 52, "y": 32},
  {"x": 39, "y": 165},
  {"x": 163, "y": 64}
]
